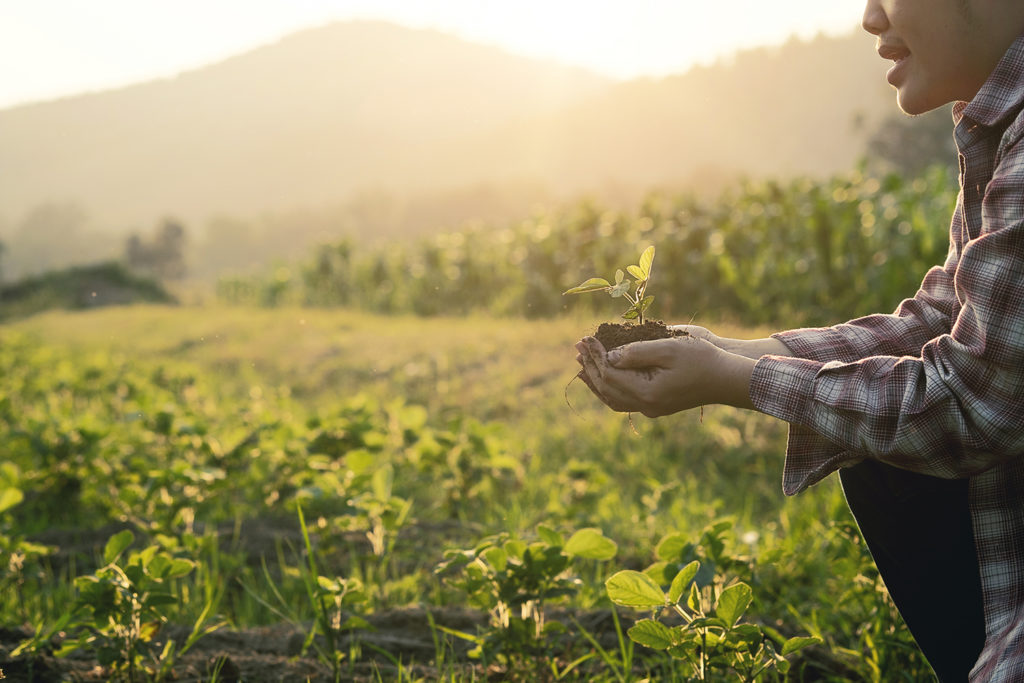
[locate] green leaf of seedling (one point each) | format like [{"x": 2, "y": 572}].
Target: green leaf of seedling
[
  {"x": 672, "y": 548},
  {"x": 733, "y": 602},
  {"x": 148, "y": 631},
  {"x": 550, "y": 536},
  {"x": 497, "y": 558},
  {"x": 619, "y": 275},
  {"x": 179, "y": 567},
  {"x": 682, "y": 581},
  {"x": 158, "y": 566},
  {"x": 693, "y": 601},
  {"x": 620, "y": 289},
  {"x": 644, "y": 303},
  {"x": 590, "y": 544},
  {"x": 661, "y": 572},
  {"x": 515, "y": 548},
  {"x": 117, "y": 545},
  {"x": 636, "y": 272},
  {"x": 652, "y": 634},
  {"x": 594, "y": 284},
  {"x": 646, "y": 261},
  {"x": 160, "y": 599},
  {"x": 353, "y": 623},
  {"x": 633, "y": 589},
  {"x": 328, "y": 585},
  {"x": 798, "y": 643}
]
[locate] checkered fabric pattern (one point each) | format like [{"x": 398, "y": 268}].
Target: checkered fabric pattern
[{"x": 938, "y": 386}]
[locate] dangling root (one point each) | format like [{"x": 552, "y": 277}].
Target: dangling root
[
  {"x": 632, "y": 426},
  {"x": 565, "y": 393}
]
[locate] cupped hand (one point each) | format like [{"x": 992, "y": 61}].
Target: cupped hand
[{"x": 664, "y": 376}]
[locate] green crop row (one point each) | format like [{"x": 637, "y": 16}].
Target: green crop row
[{"x": 801, "y": 251}]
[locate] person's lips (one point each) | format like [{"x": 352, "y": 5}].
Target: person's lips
[{"x": 898, "y": 53}]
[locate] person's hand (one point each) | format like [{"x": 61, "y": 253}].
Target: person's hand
[{"x": 665, "y": 376}]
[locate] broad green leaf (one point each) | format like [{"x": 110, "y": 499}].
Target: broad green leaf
[
  {"x": 661, "y": 572},
  {"x": 180, "y": 567},
  {"x": 798, "y": 643},
  {"x": 636, "y": 272},
  {"x": 631, "y": 314},
  {"x": 693, "y": 601},
  {"x": 590, "y": 544},
  {"x": 644, "y": 303},
  {"x": 328, "y": 584},
  {"x": 672, "y": 547},
  {"x": 646, "y": 261},
  {"x": 682, "y": 581},
  {"x": 550, "y": 536},
  {"x": 9, "y": 498},
  {"x": 116, "y": 545},
  {"x": 633, "y": 589},
  {"x": 651, "y": 633},
  {"x": 594, "y": 284},
  {"x": 148, "y": 631},
  {"x": 497, "y": 558},
  {"x": 160, "y": 599},
  {"x": 353, "y": 623},
  {"x": 619, "y": 275},
  {"x": 733, "y": 602},
  {"x": 515, "y": 548},
  {"x": 158, "y": 566}
]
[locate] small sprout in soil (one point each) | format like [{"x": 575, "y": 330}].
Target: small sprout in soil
[{"x": 638, "y": 299}]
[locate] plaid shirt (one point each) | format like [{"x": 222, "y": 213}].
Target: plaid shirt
[{"x": 938, "y": 386}]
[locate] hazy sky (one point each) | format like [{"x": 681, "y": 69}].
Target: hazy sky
[{"x": 50, "y": 48}]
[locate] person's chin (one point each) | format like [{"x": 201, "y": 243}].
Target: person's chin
[{"x": 913, "y": 102}]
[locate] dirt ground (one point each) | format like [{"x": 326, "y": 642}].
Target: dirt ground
[{"x": 272, "y": 654}]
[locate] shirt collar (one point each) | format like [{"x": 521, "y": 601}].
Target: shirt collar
[{"x": 1003, "y": 91}]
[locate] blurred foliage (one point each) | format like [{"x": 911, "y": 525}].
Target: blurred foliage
[
  {"x": 101, "y": 284},
  {"x": 803, "y": 251},
  {"x": 161, "y": 256}
]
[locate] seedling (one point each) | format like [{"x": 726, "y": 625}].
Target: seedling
[{"x": 639, "y": 300}]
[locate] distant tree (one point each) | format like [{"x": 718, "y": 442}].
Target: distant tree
[
  {"x": 162, "y": 257},
  {"x": 911, "y": 144}
]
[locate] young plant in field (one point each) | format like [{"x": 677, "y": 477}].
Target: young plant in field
[
  {"x": 119, "y": 611},
  {"x": 638, "y": 299},
  {"x": 513, "y": 580},
  {"x": 710, "y": 637}
]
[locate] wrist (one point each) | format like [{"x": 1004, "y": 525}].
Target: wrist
[
  {"x": 735, "y": 380},
  {"x": 755, "y": 348}
]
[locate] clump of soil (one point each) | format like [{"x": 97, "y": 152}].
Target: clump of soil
[{"x": 613, "y": 335}]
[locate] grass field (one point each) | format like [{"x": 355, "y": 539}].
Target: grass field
[{"x": 204, "y": 431}]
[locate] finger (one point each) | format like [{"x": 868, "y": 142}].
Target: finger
[{"x": 594, "y": 350}]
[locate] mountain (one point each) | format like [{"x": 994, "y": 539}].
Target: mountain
[
  {"x": 377, "y": 130},
  {"x": 308, "y": 120}
]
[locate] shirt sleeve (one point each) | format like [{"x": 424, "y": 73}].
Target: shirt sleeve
[
  {"x": 951, "y": 407},
  {"x": 915, "y": 322}
]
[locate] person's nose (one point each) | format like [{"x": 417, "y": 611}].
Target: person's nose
[{"x": 874, "y": 20}]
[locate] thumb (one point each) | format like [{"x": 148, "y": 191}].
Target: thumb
[{"x": 641, "y": 354}]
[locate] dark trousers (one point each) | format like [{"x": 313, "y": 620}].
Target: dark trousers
[{"x": 918, "y": 530}]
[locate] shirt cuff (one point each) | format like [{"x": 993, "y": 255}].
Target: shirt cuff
[
  {"x": 820, "y": 344},
  {"x": 784, "y": 388}
]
